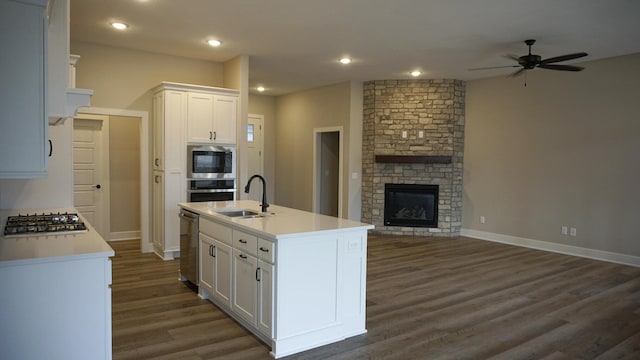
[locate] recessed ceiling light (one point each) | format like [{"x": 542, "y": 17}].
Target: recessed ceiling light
[
  {"x": 214, "y": 42},
  {"x": 119, "y": 25},
  {"x": 416, "y": 73},
  {"x": 260, "y": 88},
  {"x": 345, "y": 60}
]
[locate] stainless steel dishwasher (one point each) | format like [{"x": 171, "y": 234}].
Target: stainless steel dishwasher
[{"x": 189, "y": 246}]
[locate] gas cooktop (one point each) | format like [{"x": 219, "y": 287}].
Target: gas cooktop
[{"x": 43, "y": 224}]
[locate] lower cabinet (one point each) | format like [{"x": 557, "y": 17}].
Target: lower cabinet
[
  {"x": 245, "y": 286},
  {"x": 265, "y": 298},
  {"x": 236, "y": 273},
  {"x": 215, "y": 270}
]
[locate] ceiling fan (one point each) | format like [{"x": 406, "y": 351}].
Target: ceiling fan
[{"x": 532, "y": 61}]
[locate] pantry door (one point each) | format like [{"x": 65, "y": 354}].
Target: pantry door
[{"x": 90, "y": 181}]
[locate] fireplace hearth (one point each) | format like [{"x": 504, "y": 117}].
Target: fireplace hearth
[{"x": 411, "y": 205}]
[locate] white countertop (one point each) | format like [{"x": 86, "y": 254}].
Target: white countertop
[
  {"x": 278, "y": 222},
  {"x": 54, "y": 247}
]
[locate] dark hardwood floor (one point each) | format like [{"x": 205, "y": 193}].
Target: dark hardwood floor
[{"x": 427, "y": 298}]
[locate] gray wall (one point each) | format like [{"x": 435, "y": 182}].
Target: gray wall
[
  {"x": 561, "y": 151},
  {"x": 298, "y": 115}
]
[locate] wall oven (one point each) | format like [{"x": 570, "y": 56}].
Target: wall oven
[
  {"x": 211, "y": 162},
  {"x": 200, "y": 190}
]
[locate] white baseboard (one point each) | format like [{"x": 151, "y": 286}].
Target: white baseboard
[
  {"x": 554, "y": 247},
  {"x": 124, "y": 235}
]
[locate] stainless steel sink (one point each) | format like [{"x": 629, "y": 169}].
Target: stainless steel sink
[{"x": 240, "y": 214}]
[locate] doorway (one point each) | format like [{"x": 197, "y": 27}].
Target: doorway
[
  {"x": 327, "y": 171},
  {"x": 141, "y": 119}
]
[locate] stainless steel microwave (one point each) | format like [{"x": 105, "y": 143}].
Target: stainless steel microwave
[{"x": 211, "y": 162}]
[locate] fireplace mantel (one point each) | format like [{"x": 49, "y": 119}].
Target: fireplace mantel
[{"x": 414, "y": 159}]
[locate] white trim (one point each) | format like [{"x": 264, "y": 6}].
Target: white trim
[
  {"x": 145, "y": 168},
  {"x": 317, "y": 132},
  {"x": 554, "y": 247},
  {"x": 124, "y": 235}
]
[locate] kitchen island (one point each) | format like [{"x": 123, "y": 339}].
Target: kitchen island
[
  {"x": 55, "y": 301},
  {"x": 295, "y": 279}
]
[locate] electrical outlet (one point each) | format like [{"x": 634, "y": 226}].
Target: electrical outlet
[
  {"x": 565, "y": 230},
  {"x": 420, "y": 134},
  {"x": 404, "y": 134},
  {"x": 482, "y": 220},
  {"x": 573, "y": 231}
]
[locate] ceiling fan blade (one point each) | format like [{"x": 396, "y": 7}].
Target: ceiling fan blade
[
  {"x": 561, "y": 67},
  {"x": 494, "y": 67},
  {"x": 518, "y": 73},
  {"x": 563, "y": 58},
  {"x": 512, "y": 57}
]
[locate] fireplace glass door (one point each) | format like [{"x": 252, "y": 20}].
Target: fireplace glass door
[{"x": 411, "y": 205}]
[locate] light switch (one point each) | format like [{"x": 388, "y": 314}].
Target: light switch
[
  {"x": 420, "y": 134},
  {"x": 404, "y": 134}
]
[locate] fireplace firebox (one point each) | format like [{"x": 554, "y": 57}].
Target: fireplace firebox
[{"x": 411, "y": 205}]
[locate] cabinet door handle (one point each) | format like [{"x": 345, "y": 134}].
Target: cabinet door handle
[
  {"x": 215, "y": 135},
  {"x": 210, "y": 135},
  {"x": 157, "y": 179},
  {"x": 212, "y": 250},
  {"x": 242, "y": 241},
  {"x": 264, "y": 249},
  {"x": 157, "y": 162},
  {"x": 242, "y": 256},
  {"x": 257, "y": 274},
  {"x": 50, "y": 147}
]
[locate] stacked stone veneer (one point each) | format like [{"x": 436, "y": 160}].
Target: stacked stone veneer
[{"x": 435, "y": 107}]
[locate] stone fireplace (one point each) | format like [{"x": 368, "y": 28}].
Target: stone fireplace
[{"x": 413, "y": 134}]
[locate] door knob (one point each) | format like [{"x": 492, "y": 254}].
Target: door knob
[{"x": 97, "y": 186}]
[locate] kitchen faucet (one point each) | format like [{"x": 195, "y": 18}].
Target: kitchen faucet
[{"x": 264, "y": 204}]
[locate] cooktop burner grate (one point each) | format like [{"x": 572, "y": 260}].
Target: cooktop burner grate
[{"x": 44, "y": 223}]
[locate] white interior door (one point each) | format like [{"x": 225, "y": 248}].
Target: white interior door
[
  {"x": 255, "y": 148},
  {"x": 89, "y": 185}
]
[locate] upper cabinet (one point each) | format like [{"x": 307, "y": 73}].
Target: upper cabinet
[
  {"x": 23, "y": 139},
  {"x": 35, "y": 77},
  {"x": 212, "y": 118},
  {"x": 211, "y": 114}
]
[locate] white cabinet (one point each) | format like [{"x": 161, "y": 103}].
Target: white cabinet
[
  {"x": 200, "y": 118},
  {"x": 169, "y": 165},
  {"x": 57, "y": 308},
  {"x": 265, "y": 298},
  {"x": 225, "y": 115},
  {"x": 222, "y": 273},
  {"x": 34, "y": 68},
  {"x": 212, "y": 118},
  {"x": 244, "y": 299},
  {"x": 207, "y": 263},
  {"x": 215, "y": 262},
  {"x": 166, "y": 188},
  {"x": 23, "y": 139},
  {"x": 169, "y": 117}
]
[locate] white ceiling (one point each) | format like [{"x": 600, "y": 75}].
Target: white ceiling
[{"x": 295, "y": 44}]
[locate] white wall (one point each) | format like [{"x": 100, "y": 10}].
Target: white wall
[{"x": 561, "y": 151}]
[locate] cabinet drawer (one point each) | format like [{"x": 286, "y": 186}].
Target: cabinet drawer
[
  {"x": 245, "y": 242},
  {"x": 267, "y": 251},
  {"x": 215, "y": 230}
]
